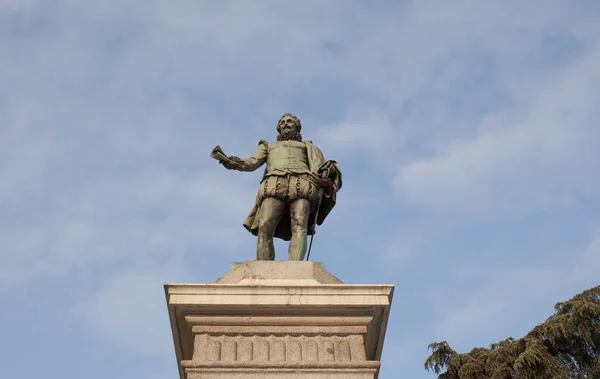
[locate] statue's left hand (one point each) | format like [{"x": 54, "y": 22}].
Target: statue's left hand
[
  {"x": 324, "y": 174},
  {"x": 328, "y": 172}
]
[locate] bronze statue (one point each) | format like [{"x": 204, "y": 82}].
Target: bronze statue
[{"x": 297, "y": 191}]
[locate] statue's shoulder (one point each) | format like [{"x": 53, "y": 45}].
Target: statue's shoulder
[
  {"x": 310, "y": 144},
  {"x": 311, "y": 147}
]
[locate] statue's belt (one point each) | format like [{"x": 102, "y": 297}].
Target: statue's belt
[{"x": 321, "y": 183}]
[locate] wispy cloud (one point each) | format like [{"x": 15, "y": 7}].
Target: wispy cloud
[
  {"x": 540, "y": 159},
  {"x": 129, "y": 308},
  {"x": 480, "y": 295}
]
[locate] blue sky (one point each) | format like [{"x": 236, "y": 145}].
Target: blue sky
[{"x": 467, "y": 132}]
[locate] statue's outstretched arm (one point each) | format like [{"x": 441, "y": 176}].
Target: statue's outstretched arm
[{"x": 247, "y": 164}]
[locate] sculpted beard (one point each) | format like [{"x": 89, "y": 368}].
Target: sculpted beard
[{"x": 291, "y": 135}]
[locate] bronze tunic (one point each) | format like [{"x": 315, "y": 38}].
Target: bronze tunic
[
  {"x": 286, "y": 157},
  {"x": 288, "y": 173}
]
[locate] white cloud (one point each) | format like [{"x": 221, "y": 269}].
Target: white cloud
[
  {"x": 130, "y": 310},
  {"x": 117, "y": 219},
  {"x": 535, "y": 163},
  {"x": 367, "y": 130},
  {"x": 483, "y": 303}
]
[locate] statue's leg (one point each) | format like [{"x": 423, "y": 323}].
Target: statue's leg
[
  {"x": 271, "y": 211},
  {"x": 299, "y": 213}
]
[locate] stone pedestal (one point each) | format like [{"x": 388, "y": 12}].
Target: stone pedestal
[{"x": 278, "y": 319}]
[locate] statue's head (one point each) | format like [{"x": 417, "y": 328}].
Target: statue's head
[{"x": 289, "y": 128}]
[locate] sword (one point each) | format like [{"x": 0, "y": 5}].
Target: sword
[{"x": 316, "y": 217}]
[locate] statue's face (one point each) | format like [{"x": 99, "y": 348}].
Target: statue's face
[{"x": 287, "y": 124}]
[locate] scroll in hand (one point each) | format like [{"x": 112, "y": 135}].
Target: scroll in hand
[{"x": 230, "y": 163}]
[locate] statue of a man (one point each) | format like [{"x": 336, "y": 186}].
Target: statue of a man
[{"x": 297, "y": 190}]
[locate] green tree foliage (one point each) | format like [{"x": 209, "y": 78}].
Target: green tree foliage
[{"x": 565, "y": 346}]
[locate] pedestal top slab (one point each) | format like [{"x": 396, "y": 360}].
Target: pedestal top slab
[{"x": 278, "y": 273}]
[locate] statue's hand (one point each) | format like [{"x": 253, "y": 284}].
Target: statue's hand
[
  {"x": 326, "y": 170},
  {"x": 233, "y": 162}
]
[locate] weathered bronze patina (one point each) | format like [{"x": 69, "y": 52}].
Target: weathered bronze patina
[{"x": 298, "y": 189}]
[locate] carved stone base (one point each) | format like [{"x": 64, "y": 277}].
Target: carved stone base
[
  {"x": 282, "y": 373},
  {"x": 278, "y": 319}
]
